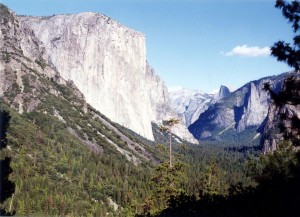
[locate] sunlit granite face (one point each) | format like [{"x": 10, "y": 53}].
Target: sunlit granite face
[{"x": 107, "y": 62}]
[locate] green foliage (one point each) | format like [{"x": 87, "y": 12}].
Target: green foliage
[
  {"x": 284, "y": 51},
  {"x": 41, "y": 62},
  {"x": 167, "y": 127},
  {"x": 14, "y": 91},
  {"x": 6, "y": 56},
  {"x": 211, "y": 180},
  {"x": 168, "y": 124},
  {"x": 167, "y": 182},
  {"x": 277, "y": 165},
  {"x": 7, "y": 187},
  {"x": 4, "y": 13},
  {"x": 231, "y": 137},
  {"x": 56, "y": 174},
  {"x": 66, "y": 176},
  {"x": 26, "y": 83},
  {"x": 277, "y": 192}
]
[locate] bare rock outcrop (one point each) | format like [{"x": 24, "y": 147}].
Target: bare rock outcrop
[
  {"x": 283, "y": 120},
  {"x": 236, "y": 112}
]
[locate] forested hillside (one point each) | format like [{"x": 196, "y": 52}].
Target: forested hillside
[{"x": 56, "y": 172}]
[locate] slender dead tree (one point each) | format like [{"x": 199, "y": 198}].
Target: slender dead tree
[{"x": 167, "y": 127}]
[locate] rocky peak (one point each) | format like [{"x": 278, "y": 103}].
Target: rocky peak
[
  {"x": 255, "y": 107},
  {"x": 223, "y": 93},
  {"x": 242, "y": 110},
  {"x": 22, "y": 61}
]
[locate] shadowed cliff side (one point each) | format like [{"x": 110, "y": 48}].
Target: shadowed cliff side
[{"x": 283, "y": 121}]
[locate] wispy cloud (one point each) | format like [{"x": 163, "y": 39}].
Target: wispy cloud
[
  {"x": 174, "y": 88},
  {"x": 245, "y": 50}
]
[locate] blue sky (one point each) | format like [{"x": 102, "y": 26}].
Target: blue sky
[{"x": 197, "y": 44}]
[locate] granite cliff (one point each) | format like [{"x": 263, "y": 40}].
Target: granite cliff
[
  {"x": 283, "y": 120},
  {"x": 242, "y": 112},
  {"x": 33, "y": 88},
  {"x": 21, "y": 58},
  {"x": 190, "y": 104},
  {"x": 107, "y": 62}
]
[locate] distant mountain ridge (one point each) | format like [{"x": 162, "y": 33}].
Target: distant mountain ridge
[
  {"x": 227, "y": 116},
  {"x": 244, "y": 109},
  {"x": 189, "y": 104}
]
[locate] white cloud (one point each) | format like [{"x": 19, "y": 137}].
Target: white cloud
[
  {"x": 174, "y": 88},
  {"x": 244, "y": 50},
  {"x": 214, "y": 91},
  {"x": 232, "y": 88}
]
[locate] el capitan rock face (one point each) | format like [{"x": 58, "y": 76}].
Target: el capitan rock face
[{"x": 107, "y": 62}]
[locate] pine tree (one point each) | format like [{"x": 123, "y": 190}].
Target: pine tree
[
  {"x": 290, "y": 93},
  {"x": 285, "y": 52},
  {"x": 167, "y": 126},
  {"x": 21, "y": 208},
  {"x": 210, "y": 179},
  {"x": 167, "y": 182}
]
